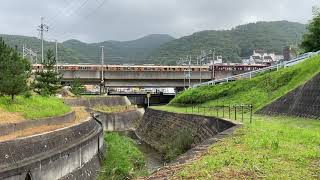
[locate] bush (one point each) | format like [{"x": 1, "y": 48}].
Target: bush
[{"x": 27, "y": 94}]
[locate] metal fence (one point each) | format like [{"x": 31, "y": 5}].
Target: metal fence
[
  {"x": 251, "y": 74},
  {"x": 233, "y": 112}
]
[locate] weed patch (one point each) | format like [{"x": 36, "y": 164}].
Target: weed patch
[
  {"x": 123, "y": 159},
  {"x": 34, "y": 107}
]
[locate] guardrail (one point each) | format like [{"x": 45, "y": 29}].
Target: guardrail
[
  {"x": 251, "y": 74},
  {"x": 232, "y": 112}
]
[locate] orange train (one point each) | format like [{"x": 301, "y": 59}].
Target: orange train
[{"x": 143, "y": 68}]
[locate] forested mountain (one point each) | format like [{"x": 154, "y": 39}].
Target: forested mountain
[
  {"x": 35, "y": 44},
  {"x": 235, "y": 43},
  {"x": 164, "y": 49},
  {"x": 133, "y": 52},
  {"x": 116, "y": 52}
]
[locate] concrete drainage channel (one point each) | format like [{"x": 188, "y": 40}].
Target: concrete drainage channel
[
  {"x": 75, "y": 152},
  {"x": 151, "y": 129}
]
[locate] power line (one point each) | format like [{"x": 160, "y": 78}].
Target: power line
[
  {"x": 42, "y": 28},
  {"x": 68, "y": 6},
  {"x": 92, "y": 12},
  {"x": 72, "y": 12}
]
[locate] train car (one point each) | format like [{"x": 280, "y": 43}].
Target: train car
[{"x": 151, "y": 68}]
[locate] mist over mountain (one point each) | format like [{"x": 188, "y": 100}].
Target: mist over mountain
[
  {"x": 164, "y": 49},
  {"x": 235, "y": 43}
]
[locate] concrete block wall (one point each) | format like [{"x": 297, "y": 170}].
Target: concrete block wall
[
  {"x": 120, "y": 121},
  {"x": 157, "y": 125},
  {"x": 303, "y": 101},
  {"x": 53, "y": 155},
  {"x": 90, "y": 102},
  {"x": 11, "y": 127}
]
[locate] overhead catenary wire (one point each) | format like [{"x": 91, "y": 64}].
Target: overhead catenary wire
[
  {"x": 52, "y": 23},
  {"x": 64, "y": 35},
  {"x": 68, "y": 7},
  {"x": 54, "y": 34}
]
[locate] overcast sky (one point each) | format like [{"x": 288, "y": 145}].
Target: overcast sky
[{"x": 100, "y": 20}]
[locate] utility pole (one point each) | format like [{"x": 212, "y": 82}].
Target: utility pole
[
  {"x": 212, "y": 64},
  {"x": 102, "y": 70},
  {"x": 190, "y": 71},
  {"x": 23, "y": 52},
  {"x": 57, "y": 69},
  {"x": 201, "y": 59},
  {"x": 42, "y": 28},
  {"x": 184, "y": 79}
]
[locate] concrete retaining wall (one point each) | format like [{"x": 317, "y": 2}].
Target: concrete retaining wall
[
  {"x": 120, "y": 121},
  {"x": 90, "y": 102},
  {"x": 304, "y": 101},
  {"x": 53, "y": 155},
  {"x": 159, "y": 124},
  {"x": 12, "y": 127}
]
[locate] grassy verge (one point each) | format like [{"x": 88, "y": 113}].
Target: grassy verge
[
  {"x": 271, "y": 148},
  {"x": 34, "y": 107},
  {"x": 123, "y": 160},
  {"x": 114, "y": 109}
]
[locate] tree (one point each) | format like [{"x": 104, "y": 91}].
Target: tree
[
  {"x": 311, "y": 40},
  {"x": 14, "y": 71},
  {"x": 47, "y": 81},
  {"x": 76, "y": 87}
]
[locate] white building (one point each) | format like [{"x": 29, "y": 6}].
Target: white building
[
  {"x": 262, "y": 57},
  {"x": 217, "y": 60}
]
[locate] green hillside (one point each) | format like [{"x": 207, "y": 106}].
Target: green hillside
[
  {"x": 65, "y": 54},
  {"x": 164, "y": 49},
  {"x": 74, "y": 51},
  {"x": 271, "y": 147},
  {"x": 134, "y": 52},
  {"x": 258, "y": 91},
  {"x": 235, "y": 43}
]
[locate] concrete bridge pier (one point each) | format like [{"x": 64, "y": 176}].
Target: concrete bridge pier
[{"x": 103, "y": 88}]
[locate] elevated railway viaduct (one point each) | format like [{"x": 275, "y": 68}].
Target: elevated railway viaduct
[{"x": 148, "y": 76}]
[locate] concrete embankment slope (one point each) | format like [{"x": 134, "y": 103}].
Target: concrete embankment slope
[
  {"x": 121, "y": 121},
  {"x": 8, "y": 128},
  {"x": 113, "y": 121},
  {"x": 72, "y": 152},
  {"x": 69, "y": 152},
  {"x": 156, "y": 125},
  {"x": 303, "y": 101},
  {"x": 107, "y": 101}
]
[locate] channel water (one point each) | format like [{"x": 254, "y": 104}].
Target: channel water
[{"x": 153, "y": 159}]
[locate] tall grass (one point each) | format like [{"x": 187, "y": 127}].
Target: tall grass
[
  {"x": 35, "y": 107},
  {"x": 123, "y": 159}
]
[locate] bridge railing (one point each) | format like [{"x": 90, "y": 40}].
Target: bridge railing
[{"x": 255, "y": 72}]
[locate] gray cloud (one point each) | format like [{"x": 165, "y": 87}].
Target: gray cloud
[{"x": 99, "y": 20}]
